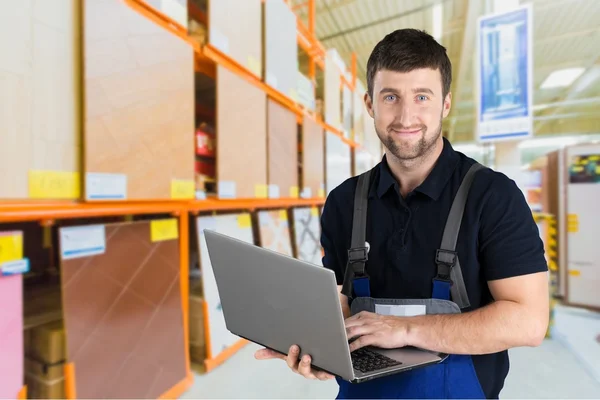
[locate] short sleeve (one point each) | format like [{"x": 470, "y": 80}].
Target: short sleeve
[
  {"x": 509, "y": 239},
  {"x": 330, "y": 227}
]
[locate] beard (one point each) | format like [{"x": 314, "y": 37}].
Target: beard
[{"x": 406, "y": 150}]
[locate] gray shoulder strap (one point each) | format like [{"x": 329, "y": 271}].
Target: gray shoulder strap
[
  {"x": 446, "y": 257},
  {"x": 358, "y": 252},
  {"x": 359, "y": 220}
]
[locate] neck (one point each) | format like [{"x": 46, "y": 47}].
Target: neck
[{"x": 411, "y": 173}]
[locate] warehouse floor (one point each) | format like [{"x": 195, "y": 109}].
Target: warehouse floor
[{"x": 549, "y": 371}]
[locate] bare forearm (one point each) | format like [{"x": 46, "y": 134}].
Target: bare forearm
[{"x": 496, "y": 327}]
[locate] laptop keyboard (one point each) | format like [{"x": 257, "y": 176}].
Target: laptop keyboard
[{"x": 366, "y": 360}]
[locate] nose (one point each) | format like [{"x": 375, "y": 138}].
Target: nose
[{"x": 404, "y": 116}]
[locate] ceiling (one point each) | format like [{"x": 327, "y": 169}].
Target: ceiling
[{"x": 566, "y": 34}]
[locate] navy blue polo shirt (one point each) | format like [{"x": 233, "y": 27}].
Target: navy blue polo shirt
[{"x": 498, "y": 238}]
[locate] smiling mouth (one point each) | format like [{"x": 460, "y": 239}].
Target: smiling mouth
[{"x": 406, "y": 131}]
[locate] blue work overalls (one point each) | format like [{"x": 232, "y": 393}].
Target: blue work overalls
[{"x": 455, "y": 377}]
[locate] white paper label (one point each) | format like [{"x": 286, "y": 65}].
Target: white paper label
[
  {"x": 219, "y": 40},
  {"x": 200, "y": 195},
  {"x": 306, "y": 193},
  {"x": 15, "y": 267},
  {"x": 271, "y": 80},
  {"x": 227, "y": 190},
  {"x": 105, "y": 186},
  {"x": 274, "y": 192},
  {"x": 82, "y": 241},
  {"x": 401, "y": 310}
]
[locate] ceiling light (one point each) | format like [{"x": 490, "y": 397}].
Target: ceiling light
[
  {"x": 437, "y": 21},
  {"x": 562, "y": 78},
  {"x": 558, "y": 142}
]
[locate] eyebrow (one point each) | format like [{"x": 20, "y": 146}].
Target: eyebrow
[
  {"x": 423, "y": 90},
  {"x": 415, "y": 90},
  {"x": 388, "y": 90}
]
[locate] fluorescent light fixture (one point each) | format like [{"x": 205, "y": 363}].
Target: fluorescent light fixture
[
  {"x": 562, "y": 78},
  {"x": 468, "y": 148},
  {"x": 437, "y": 21},
  {"x": 558, "y": 142}
]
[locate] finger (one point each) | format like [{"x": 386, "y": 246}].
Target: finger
[
  {"x": 361, "y": 330},
  {"x": 292, "y": 358},
  {"x": 323, "y": 376},
  {"x": 305, "y": 369},
  {"x": 363, "y": 341},
  {"x": 362, "y": 315},
  {"x": 267, "y": 354}
]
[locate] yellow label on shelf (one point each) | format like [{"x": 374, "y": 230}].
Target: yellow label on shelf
[
  {"x": 182, "y": 189},
  {"x": 254, "y": 65},
  {"x": 244, "y": 221},
  {"x": 314, "y": 211},
  {"x": 261, "y": 191},
  {"x": 11, "y": 246},
  {"x": 283, "y": 215},
  {"x": 598, "y": 169},
  {"x": 294, "y": 192},
  {"x": 54, "y": 185},
  {"x": 164, "y": 229},
  {"x": 573, "y": 228},
  {"x": 321, "y": 193},
  {"x": 575, "y": 272}
]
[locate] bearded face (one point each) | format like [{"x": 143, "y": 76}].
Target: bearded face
[{"x": 407, "y": 109}]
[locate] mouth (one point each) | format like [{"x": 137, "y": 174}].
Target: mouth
[{"x": 406, "y": 132}]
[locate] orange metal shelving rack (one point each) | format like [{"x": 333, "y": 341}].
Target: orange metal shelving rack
[{"x": 206, "y": 60}]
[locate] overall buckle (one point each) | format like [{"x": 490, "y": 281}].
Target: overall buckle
[
  {"x": 357, "y": 258},
  {"x": 445, "y": 260}
]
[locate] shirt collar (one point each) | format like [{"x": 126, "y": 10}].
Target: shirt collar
[{"x": 434, "y": 183}]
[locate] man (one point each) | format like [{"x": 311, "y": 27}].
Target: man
[{"x": 410, "y": 195}]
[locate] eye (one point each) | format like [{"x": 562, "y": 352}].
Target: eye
[
  {"x": 390, "y": 97},
  {"x": 422, "y": 97}
]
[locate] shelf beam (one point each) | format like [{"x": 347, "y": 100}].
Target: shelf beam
[{"x": 51, "y": 211}]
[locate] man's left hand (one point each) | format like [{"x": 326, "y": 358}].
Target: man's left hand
[{"x": 384, "y": 331}]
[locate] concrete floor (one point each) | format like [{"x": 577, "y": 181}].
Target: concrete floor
[{"x": 549, "y": 371}]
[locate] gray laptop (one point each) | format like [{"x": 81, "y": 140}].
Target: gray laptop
[{"x": 277, "y": 301}]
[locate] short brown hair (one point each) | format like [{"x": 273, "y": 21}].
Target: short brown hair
[{"x": 405, "y": 50}]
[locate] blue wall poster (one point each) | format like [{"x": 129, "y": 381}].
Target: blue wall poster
[{"x": 505, "y": 69}]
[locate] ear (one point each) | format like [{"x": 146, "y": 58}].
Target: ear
[
  {"x": 369, "y": 104},
  {"x": 447, "y": 104}
]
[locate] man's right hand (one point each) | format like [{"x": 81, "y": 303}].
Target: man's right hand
[{"x": 302, "y": 367}]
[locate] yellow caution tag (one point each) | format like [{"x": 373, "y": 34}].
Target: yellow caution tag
[
  {"x": 57, "y": 185},
  {"x": 294, "y": 192},
  {"x": 244, "y": 221},
  {"x": 164, "y": 229},
  {"x": 283, "y": 215},
  {"x": 261, "y": 191},
  {"x": 182, "y": 189},
  {"x": 11, "y": 246},
  {"x": 575, "y": 272},
  {"x": 314, "y": 211}
]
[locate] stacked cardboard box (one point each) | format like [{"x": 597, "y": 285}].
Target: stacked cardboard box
[{"x": 44, "y": 361}]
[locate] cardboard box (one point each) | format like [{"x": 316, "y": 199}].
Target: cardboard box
[
  {"x": 38, "y": 388},
  {"x": 46, "y": 343}
]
